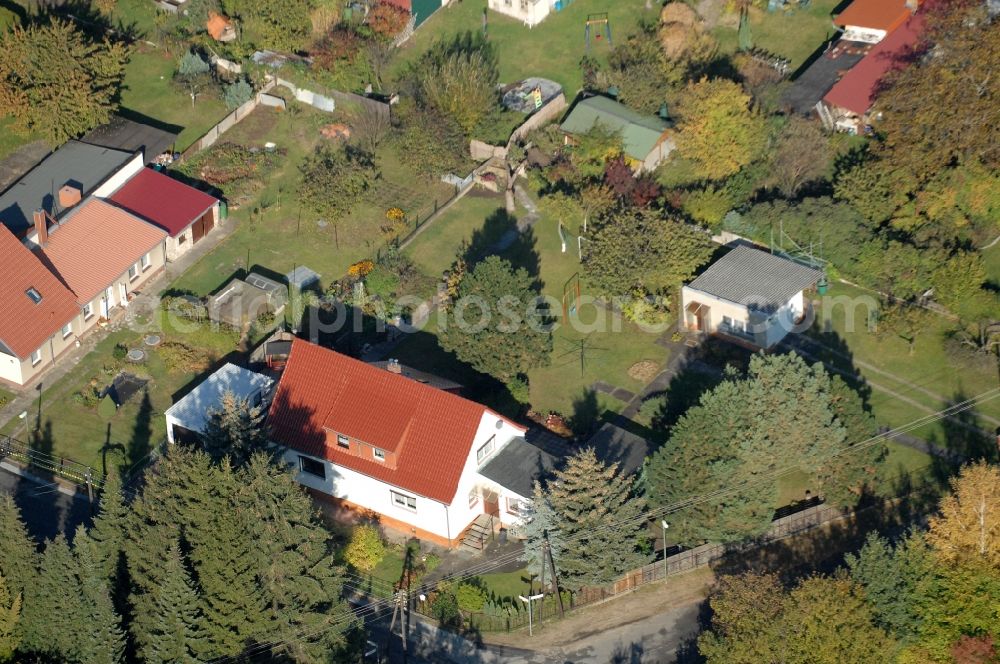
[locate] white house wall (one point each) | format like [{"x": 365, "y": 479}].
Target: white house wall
[
  {"x": 10, "y": 369},
  {"x": 123, "y": 175}
]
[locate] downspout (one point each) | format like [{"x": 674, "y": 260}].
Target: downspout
[{"x": 447, "y": 523}]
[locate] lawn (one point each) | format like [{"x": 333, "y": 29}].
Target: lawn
[
  {"x": 991, "y": 260},
  {"x": 276, "y": 234},
  {"x": 550, "y": 50},
  {"x": 794, "y": 35},
  {"x": 433, "y": 250},
  {"x": 11, "y": 140},
  {"x": 148, "y": 90},
  {"x": 75, "y": 430},
  {"x": 929, "y": 367},
  {"x": 5, "y": 397}
]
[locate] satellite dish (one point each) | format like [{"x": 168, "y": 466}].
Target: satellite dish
[{"x": 499, "y": 424}]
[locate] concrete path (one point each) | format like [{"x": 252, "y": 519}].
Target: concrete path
[{"x": 679, "y": 356}]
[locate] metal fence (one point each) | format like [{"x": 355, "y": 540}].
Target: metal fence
[{"x": 73, "y": 471}]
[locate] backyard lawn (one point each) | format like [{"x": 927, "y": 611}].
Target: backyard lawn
[
  {"x": 279, "y": 235},
  {"x": 148, "y": 90},
  {"x": 794, "y": 34},
  {"x": 11, "y": 140}
]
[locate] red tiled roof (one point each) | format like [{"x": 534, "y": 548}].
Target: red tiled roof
[
  {"x": 875, "y": 14},
  {"x": 162, "y": 200},
  {"x": 24, "y": 325},
  {"x": 95, "y": 244},
  {"x": 431, "y": 430},
  {"x": 856, "y": 91}
]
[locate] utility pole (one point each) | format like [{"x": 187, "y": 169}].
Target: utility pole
[
  {"x": 555, "y": 575},
  {"x": 663, "y": 522},
  {"x": 399, "y": 609}
]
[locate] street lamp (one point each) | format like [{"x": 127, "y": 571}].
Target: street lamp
[
  {"x": 663, "y": 522},
  {"x": 528, "y": 600}
]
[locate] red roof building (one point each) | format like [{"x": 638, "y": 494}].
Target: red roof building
[
  {"x": 184, "y": 212},
  {"x": 856, "y": 91},
  {"x": 36, "y": 305},
  {"x": 873, "y": 20},
  {"x": 425, "y": 433}
]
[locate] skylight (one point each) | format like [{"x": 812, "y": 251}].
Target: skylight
[{"x": 34, "y": 295}]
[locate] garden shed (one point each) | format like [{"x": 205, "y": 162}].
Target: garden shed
[
  {"x": 187, "y": 418},
  {"x": 242, "y": 301}
]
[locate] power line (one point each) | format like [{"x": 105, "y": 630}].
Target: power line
[{"x": 373, "y": 608}]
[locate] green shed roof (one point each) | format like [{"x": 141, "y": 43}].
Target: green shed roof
[{"x": 640, "y": 133}]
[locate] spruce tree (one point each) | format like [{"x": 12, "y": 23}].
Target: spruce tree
[
  {"x": 10, "y": 617},
  {"x": 234, "y": 429},
  {"x": 600, "y": 511},
  {"x": 100, "y": 639},
  {"x": 168, "y": 627},
  {"x": 544, "y": 523},
  {"x": 54, "y": 606},
  {"x": 18, "y": 556},
  {"x": 108, "y": 531}
]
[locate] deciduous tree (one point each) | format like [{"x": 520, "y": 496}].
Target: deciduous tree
[
  {"x": 334, "y": 180},
  {"x": 802, "y": 154},
  {"x": 458, "y": 79},
  {"x": 968, "y": 526},
  {"x": 57, "y": 82}
]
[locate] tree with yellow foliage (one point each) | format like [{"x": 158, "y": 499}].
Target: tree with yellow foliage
[{"x": 968, "y": 526}]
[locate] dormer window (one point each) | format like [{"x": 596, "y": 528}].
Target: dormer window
[
  {"x": 378, "y": 454},
  {"x": 34, "y": 295}
]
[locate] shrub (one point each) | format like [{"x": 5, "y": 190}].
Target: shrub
[
  {"x": 470, "y": 596},
  {"x": 365, "y": 549},
  {"x": 119, "y": 352},
  {"x": 444, "y": 606},
  {"x": 236, "y": 94},
  {"x": 519, "y": 389},
  {"x": 106, "y": 409},
  {"x": 707, "y": 206},
  {"x": 179, "y": 357}
]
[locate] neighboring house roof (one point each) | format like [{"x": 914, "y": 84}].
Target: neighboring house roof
[
  {"x": 162, "y": 200},
  {"x": 756, "y": 279},
  {"x": 85, "y": 166},
  {"x": 431, "y": 431},
  {"x": 95, "y": 244},
  {"x": 884, "y": 15},
  {"x": 613, "y": 444},
  {"x": 640, "y": 133},
  {"x": 124, "y": 134},
  {"x": 419, "y": 376},
  {"x": 857, "y": 90},
  {"x": 191, "y": 412},
  {"x": 518, "y": 465},
  {"x": 25, "y": 324},
  {"x": 809, "y": 88},
  {"x": 218, "y": 25}
]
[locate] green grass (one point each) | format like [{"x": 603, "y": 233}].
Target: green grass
[
  {"x": 73, "y": 430},
  {"x": 991, "y": 260},
  {"x": 434, "y": 249},
  {"x": 282, "y": 235},
  {"x": 506, "y": 584},
  {"x": 5, "y": 396},
  {"x": 148, "y": 90},
  {"x": 390, "y": 568},
  {"x": 794, "y": 35},
  {"x": 929, "y": 366},
  {"x": 550, "y": 50},
  {"x": 11, "y": 140}
]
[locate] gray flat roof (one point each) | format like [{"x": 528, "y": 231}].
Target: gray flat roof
[
  {"x": 518, "y": 465},
  {"x": 756, "y": 279},
  {"x": 124, "y": 134},
  {"x": 808, "y": 89},
  {"x": 613, "y": 444},
  {"x": 86, "y": 166}
]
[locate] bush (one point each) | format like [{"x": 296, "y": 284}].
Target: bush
[
  {"x": 365, "y": 549},
  {"x": 707, "y": 206},
  {"x": 107, "y": 408},
  {"x": 119, "y": 352},
  {"x": 179, "y": 357},
  {"x": 519, "y": 389},
  {"x": 444, "y": 606},
  {"x": 470, "y": 596},
  {"x": 236, "y": 94}
]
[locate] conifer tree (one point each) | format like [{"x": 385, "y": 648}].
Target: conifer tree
[
  {"x": 235, "y": 429},
  {"x": 53, "y": 606},
  {"x": 100, "y": 637},
  {"x": 170, "y": 628},
  {"x": 10, "y": 616},
  {"x": 599, "y": 510},
  {"x": 544, "y": 523},
  {"x": 108, "y": 531},
  {"x": 18, "y": 558}
]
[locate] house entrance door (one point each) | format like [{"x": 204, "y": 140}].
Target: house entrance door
[{"x": 491, "y": 504}]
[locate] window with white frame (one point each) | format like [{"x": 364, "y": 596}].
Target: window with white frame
[
  {"x": 67, "y": 330},
  {"x": 133, "y": 271},
  {"x": 378, "y": 454},
  {"x": 404, "y": 501},
  {"x": 88, "y": 311},
  {"x": 36, "y": 357},
  {"x": 343, "y": 441},
  {"x": 473, "y": 497},
  {"x": 145, "y": 261},
  {"x": 486, "y": 449},
  {"x": 312, "y": 467},
  {"x": 517, "y": 506}
]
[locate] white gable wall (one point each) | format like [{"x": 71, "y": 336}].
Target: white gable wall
[{"x": 774, "y": 330}]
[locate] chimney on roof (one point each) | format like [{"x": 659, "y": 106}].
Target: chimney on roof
[
  {"x": 69, "y": 195},
  {"x": 393, "y": 366},
  {"x": 41, "y": 227}
]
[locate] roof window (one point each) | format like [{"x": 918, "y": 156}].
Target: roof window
[{"x": 34, "y": 295}]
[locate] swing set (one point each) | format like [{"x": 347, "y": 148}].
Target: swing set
[{"x": 597, "y": 20}]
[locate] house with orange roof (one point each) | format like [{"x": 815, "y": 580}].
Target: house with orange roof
[
  {"x": 41, "y": 317},
  {"x": 220, "y": 27},
  {"x": 102, "y": 254},
  {"x": 428, "y": 462},
  {"x": 871, "y": 21}
]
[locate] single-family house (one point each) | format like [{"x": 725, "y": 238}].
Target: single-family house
[
  {"x": 529, "y": 12},
  {"x": 748, "y": 296},
  {"x": 645, "y": 138},
  {"x": 185, "y": 213},
  {"x": 871, "y": 21},
  {"x": 807, "y": 90},
  {"x": 101, "y": 253},
  {"x": 73, "y": 172},
  {"x": 428, "y": 462},
  {"x": 39, "y": 313},
  {"x": 848, "y": 104},
  {"x": 187, "y": 418}
]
